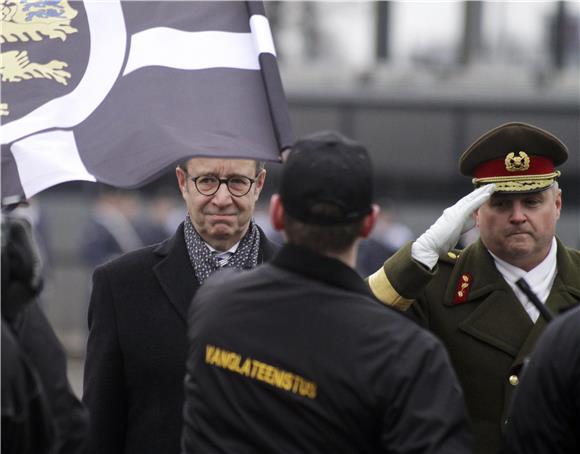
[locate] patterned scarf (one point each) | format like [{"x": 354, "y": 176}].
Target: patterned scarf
[{"x": 204, "y": 262}]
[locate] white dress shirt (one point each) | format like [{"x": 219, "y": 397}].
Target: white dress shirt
[{"x": 540, "y": 279}]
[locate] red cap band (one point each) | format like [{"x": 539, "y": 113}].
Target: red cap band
[{"x": 539, "y": 165}]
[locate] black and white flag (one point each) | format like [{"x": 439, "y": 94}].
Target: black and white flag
[{"x": 118, "y": 91}]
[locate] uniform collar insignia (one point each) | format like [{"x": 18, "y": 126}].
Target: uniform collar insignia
[{"x": 462, "y": 288}]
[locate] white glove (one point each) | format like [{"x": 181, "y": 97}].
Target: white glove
[{"x": 444, "y": 234}]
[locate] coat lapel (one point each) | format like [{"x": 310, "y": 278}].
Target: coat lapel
[
  {"x": 498, "y": 319},
  {"x": 566, "y": 289},
  {"x": 175, "y": 273},
  {"x": 564, "y": 294},
  {"x": 267, "y": 248}
]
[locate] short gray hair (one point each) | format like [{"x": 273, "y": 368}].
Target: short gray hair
[{"x": 260, "y": 165}]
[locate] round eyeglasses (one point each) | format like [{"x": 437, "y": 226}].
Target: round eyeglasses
[{"x": 238, "y": 186}]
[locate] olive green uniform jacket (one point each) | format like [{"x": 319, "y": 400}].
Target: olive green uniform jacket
[{"x": 466, "y": 302}]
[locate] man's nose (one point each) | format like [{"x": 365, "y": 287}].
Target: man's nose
[
  {"x": 222, "y": 196},
  {"x": 518, "y": 214}
]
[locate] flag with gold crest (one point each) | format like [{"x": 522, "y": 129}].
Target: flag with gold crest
[{"x": 119, "y": 91}]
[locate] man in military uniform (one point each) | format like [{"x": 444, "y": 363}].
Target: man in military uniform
[
  {"x": 296, "y": 355},
  {"x": 469, "y": 299}
]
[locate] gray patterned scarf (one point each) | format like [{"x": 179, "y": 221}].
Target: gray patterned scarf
[{"x": 204, "y": 262}]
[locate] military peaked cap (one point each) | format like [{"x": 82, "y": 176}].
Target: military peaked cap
[{"x": 517, "y": 157}]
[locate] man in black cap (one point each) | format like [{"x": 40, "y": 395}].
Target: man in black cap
[
  {"x": 469, "y": 298},
  {"x": 296, "y": 355}
]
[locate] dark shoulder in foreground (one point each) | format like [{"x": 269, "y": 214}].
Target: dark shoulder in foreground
[
  {"x": 226, "y": 284},
  {"x": 566, "y": 325}
]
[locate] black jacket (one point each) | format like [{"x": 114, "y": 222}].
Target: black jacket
[
  {"x": 545, "y": 414},
  {"x": 40, "y": 412},
  {"x": 136, "y": 348},
  {"x": 28, "y": 426},
  {"x": 297, "y": 356},
  {"x": 38, "y": 341}
]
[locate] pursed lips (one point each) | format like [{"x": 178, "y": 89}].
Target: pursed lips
[
  {"x": 219, "y": 215},
  {"x": 519, "y": 232}
]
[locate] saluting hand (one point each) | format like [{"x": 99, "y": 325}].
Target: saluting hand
[{"x": 444, "y": 234}]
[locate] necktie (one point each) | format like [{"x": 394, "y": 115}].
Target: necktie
[{"x": 222, "y": 258}]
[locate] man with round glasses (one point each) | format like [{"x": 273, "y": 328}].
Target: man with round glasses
[
  {"x": 237, "y": 185},
  {"x": 137, "y": 345}
]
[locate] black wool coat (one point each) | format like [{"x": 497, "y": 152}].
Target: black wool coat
[{"x": 136, "y": 349}]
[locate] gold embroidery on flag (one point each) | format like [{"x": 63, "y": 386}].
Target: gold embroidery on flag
[{"x": 26, "y": 20}]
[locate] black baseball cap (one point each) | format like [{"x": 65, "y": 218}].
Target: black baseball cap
[{"x": 327, "y": 168}]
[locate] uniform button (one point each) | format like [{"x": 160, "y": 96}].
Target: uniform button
[
  {"x": 452, "y": 255},
  {"x": 514, "y": 380}
]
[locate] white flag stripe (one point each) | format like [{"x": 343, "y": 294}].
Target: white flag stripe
[
  {"x": 108, "y": 44},
  {"x": 178, "y": 49},
  {"x": 262, "y": 35},
  {"x": 47, "y": 159}
]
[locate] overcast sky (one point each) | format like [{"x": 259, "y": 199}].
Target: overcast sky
[{"x": 347, "y": 28}]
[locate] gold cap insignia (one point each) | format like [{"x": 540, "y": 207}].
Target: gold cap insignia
[{"x": 519, "y": 163}]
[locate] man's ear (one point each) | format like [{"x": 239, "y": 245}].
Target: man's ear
[
  {"x": 558, "y": 201},
  {"x": 369, "y": 221},
  {"x": 285, "y": 153},
  {"x": 259, "y": 184},
  {"x": 181, "y": 179},
  {"x": 276, "y": 212}
]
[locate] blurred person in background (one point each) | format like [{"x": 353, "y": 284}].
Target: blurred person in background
[
  {"x": 116, "y": 226},
  {"x": 390, "y": 230},
  {"x": 545, "y": 413},
  {"x": 40, "y": 413},
  {"x": 165, "y": 211},
  {"x": 387, "y": 237},
  {"x": 136, "y": 348},
  {"x": 262, "y": 218},
  {"x": 469, "y": 298},
  {"x": 35, "y": 214},
  {"x": 297, "y": 355},
  {"x": 371, "y": 255}
]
